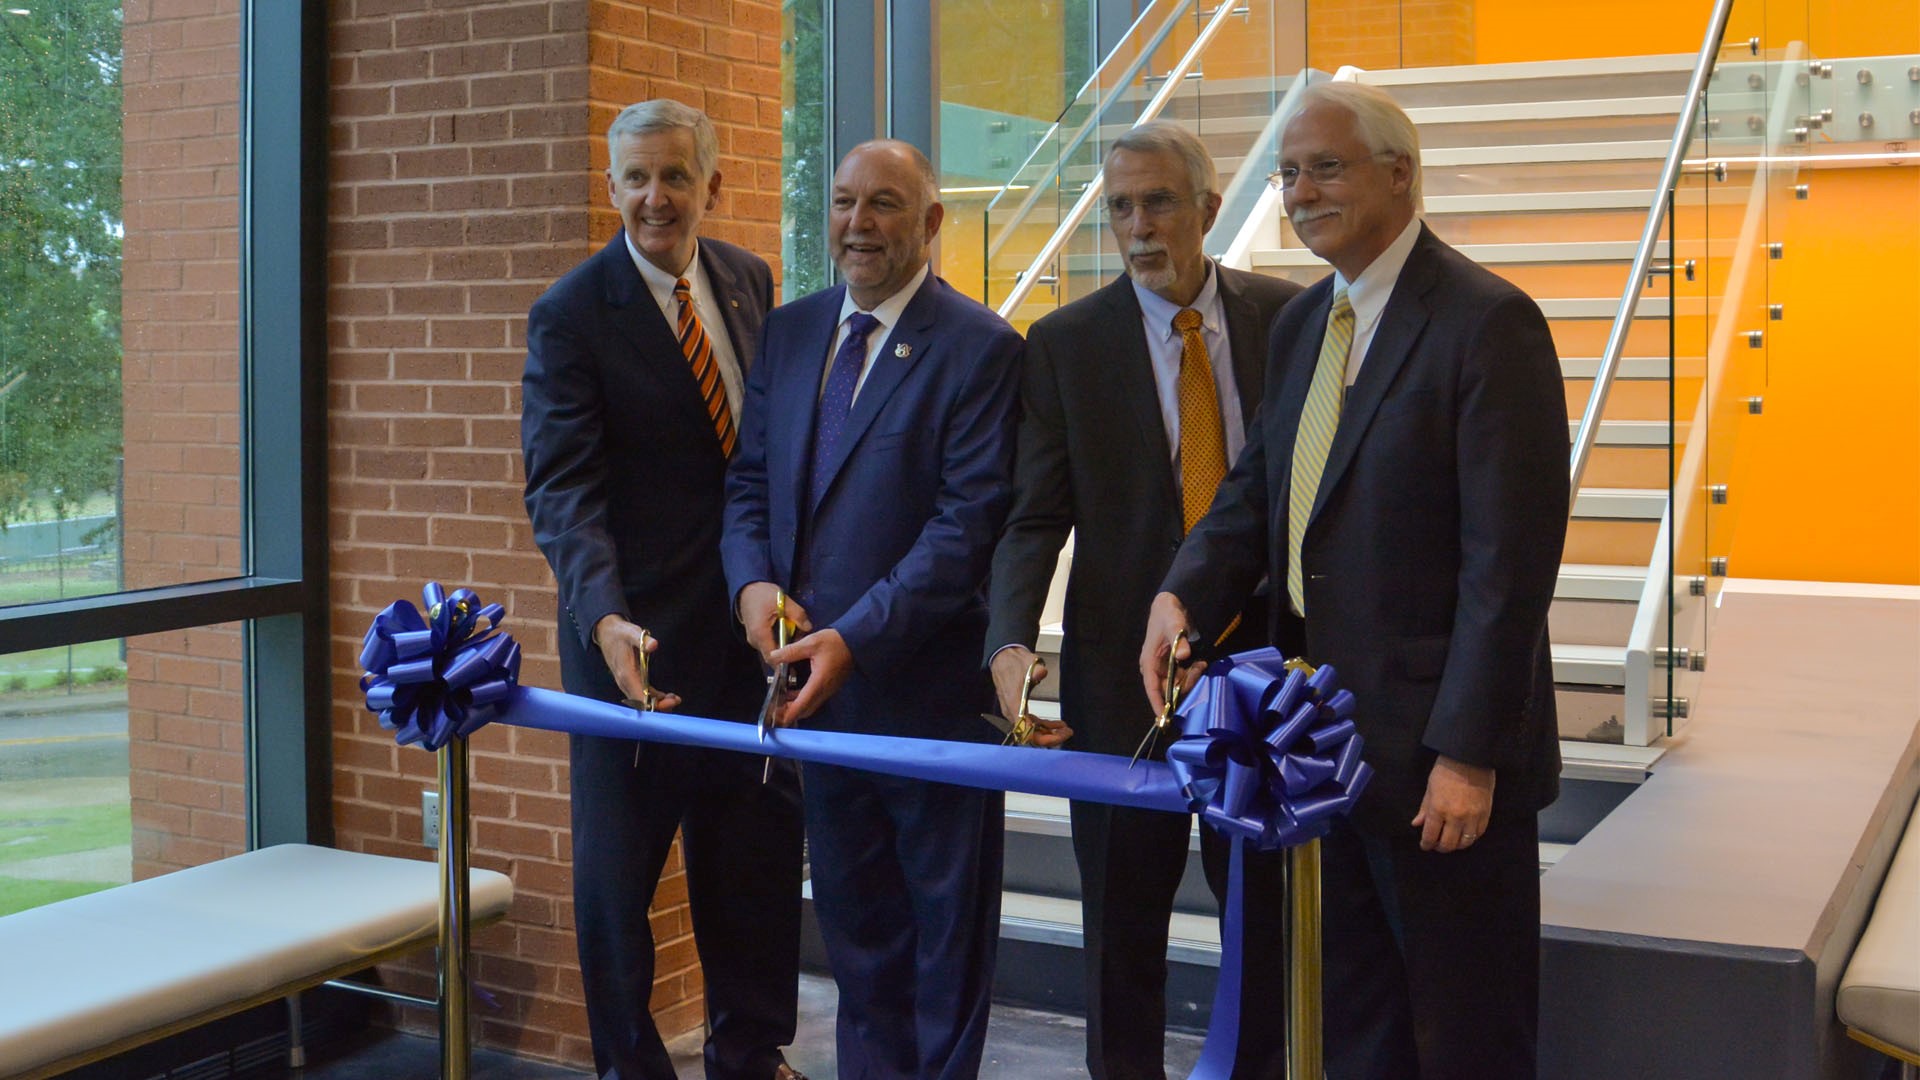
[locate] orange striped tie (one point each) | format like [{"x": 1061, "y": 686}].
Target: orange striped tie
[{"x": 698, "y": 350}]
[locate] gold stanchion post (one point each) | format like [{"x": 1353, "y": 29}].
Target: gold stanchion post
[
  {"x": 1305, "y": 1060},
  {"x": 454, "y": 946}
]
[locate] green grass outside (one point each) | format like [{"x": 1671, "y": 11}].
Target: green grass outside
[
  {"x": 33, "y": 589},
  {"x": 34, "y": 834},
  {"x": 41, "y": 669},
  {"x": 19, "y": 894}
]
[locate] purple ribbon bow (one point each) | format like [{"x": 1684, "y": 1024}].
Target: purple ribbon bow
[
  {"x": 440, "y": 677},
  {"x": 1267, "y": 754}
]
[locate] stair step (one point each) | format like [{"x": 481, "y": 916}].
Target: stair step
[
  {"x": 1551, "y": 109},
  {"x": 1524, "y": 202},
  {"x": 1634, "y": 432},
  {"x": 1621, "y": 251},
  {"x": 1598, "y": 581},
  {"x": 1607, "y": 761},
  {"x": 1590, "y": 665},
  {"x": 1629, "y": 367},
  {"x": 1621, "y": 504},
  {"x": 1584, "y": 307},
  {"x": 1544, "y": 70},
  {"x": 1053, "y": 920},
  {"x": 1626, "y": 150}
]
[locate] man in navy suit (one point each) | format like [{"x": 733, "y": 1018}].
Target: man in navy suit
[
  {"x": 1407, "y": 487},
  {"x": 630, "y": 399},
  {"x": 872, "y": 479}
]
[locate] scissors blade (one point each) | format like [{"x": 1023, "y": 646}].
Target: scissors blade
[
  {"x": 1000, "y": 723},
  {"x": 775, "y": 685}
]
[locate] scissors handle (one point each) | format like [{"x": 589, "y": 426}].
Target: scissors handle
[{"x": 648, "y": 699}]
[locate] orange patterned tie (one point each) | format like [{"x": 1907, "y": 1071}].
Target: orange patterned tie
[
  {"x": 698, "y": 350},
  {"x": 1203, "y": 443},
  {"x": 1203, "y": 439}
]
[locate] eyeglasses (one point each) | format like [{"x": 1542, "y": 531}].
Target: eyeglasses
[
  {"x": 1324, "y": 171},
  {"x": 1158, "y": 204}
]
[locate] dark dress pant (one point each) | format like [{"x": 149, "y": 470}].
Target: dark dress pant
[
  {"x": 1432, "y": 961},
  {"x": 741, "y": 847},
  {"x": 906, "y": 888},
  {"x": 1131, "y": 862}
]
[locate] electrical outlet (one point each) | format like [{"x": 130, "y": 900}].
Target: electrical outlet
[{"x": 430, "y": 819}]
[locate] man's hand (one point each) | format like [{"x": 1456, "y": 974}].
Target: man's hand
[
  {"x": 620, "y": 643},
  {"x": 1166, "y": 643},
  {"x": 831, "y": 663},
  {"x": 1457, "y": 806},
  {"x": 757, "y": 603},
  {"x": 1009, "y": 667}
]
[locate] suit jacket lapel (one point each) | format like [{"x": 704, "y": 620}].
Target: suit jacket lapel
[
  {"x": 1243, "y": 327},
  {"x": 727, "y": 296},
  {"x": 913, "y": 334},
  {"x": 793, "y": 401},
  {"x": 639, "y": 320},
  {"x": 1132, "y": 369},
  {"x": 1400, "y": 326}
]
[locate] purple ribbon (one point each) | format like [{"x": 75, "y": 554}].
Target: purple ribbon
[
  {"x": 440, "y": 677},
  {"x": 1267, "y": 755}
]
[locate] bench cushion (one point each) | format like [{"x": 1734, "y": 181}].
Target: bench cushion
[
  {"x": 102, "y": 969},
  {"x": 1880, "y": 993}
]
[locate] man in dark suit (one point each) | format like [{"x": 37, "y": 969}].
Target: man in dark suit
[
  {"x": 1111, "y": 448},
  {"x": 872, "y": 479},
  {"x": 632, "y": 385},
  {"x": 1406, "y": 492}
]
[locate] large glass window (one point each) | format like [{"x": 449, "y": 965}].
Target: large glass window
[
  {"x": 805, "y": 148},
  {"x": 127, "y": 679}
]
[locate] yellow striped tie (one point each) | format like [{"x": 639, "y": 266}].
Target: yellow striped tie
[{"x": 1319, "y": 418}]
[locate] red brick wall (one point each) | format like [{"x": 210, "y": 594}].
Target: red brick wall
[
  {"x": 180, "y": 405},
  {"x": 467, "y": 158}
]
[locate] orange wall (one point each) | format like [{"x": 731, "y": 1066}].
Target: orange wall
[
  {"x": 1515, "y": 30},
  {"x": 1828, "y": 478}
]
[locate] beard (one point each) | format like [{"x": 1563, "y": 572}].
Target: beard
[{"x": 1152, "y": 280}]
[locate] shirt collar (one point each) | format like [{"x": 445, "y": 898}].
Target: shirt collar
[
  {"x": 1370, "y": 292},
  {"x": 657, "y": 279},
  {"x": 888, "y": 311},
  {"x": 1159, "y": 311}
]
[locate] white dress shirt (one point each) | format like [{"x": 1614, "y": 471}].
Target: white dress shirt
[
  {"x": 888, "y": 311},
  {"x": 705, "y": 305},
  {"x": 1370, "y": 292},
  {"x": 1164, "y": 345}
]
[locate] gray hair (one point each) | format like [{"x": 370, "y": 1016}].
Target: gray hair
[
  {"x": 665, "y": 114},
  {"x": 1379, "y": 121},
  {"x": 1168, "y": 137}
]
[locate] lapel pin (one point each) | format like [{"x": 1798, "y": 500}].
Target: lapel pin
[
  {"x": 735, "y": 303},
  {"x": 903, "y": 350}
]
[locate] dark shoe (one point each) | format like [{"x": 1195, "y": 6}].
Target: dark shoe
[{"x": 785, "y": 1071}]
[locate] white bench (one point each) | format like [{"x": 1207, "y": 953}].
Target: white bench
[
  {"x": 1879, "y": 998},
  {"x": 89, "y": 977}
]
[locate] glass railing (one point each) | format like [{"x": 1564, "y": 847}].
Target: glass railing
[{"x": 1222, "y": 71}]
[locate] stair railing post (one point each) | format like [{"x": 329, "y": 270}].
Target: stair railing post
[
  {"x": 455, "y": 1045},
  {"x": 1305, "y": 1056}
]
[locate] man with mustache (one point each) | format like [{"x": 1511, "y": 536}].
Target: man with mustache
[
  {"x": 631, "y": 392},
  {"x": 1135, "y": 400},
  {"x": 1406, "y": 486},
  {"x": 872, "y": 479}
]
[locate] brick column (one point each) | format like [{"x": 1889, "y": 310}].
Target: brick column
[{"x": 467, "y": 160}]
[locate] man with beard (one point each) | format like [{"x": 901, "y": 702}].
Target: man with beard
[{"x": 1135, "y": 399}]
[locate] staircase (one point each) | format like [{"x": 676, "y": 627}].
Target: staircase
[{"x": 1544, "y": 174}]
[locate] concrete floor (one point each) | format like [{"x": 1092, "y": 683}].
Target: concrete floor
[{"x": 1022, "y": 1044}]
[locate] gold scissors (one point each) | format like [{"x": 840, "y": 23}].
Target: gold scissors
[
  {"x": 1169, "y": 698},
  {"x": 783, "y": 629},
  {"x": 649, "y": 698},
  {"x": 1020, "y": 730}
]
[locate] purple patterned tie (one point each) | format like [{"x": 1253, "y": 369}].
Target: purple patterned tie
[{"x": 836, "y": 401}]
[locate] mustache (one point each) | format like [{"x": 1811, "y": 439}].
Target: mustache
[
  {"x": 1301, "y": 217},
  {"x": 1145, "y": 247}
]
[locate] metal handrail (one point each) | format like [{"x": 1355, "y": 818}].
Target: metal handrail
[
  {"x": 1095, "y": 116},
  {"x": 1175, "y": 76},
  {"x": 1589, "y": 430}
]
